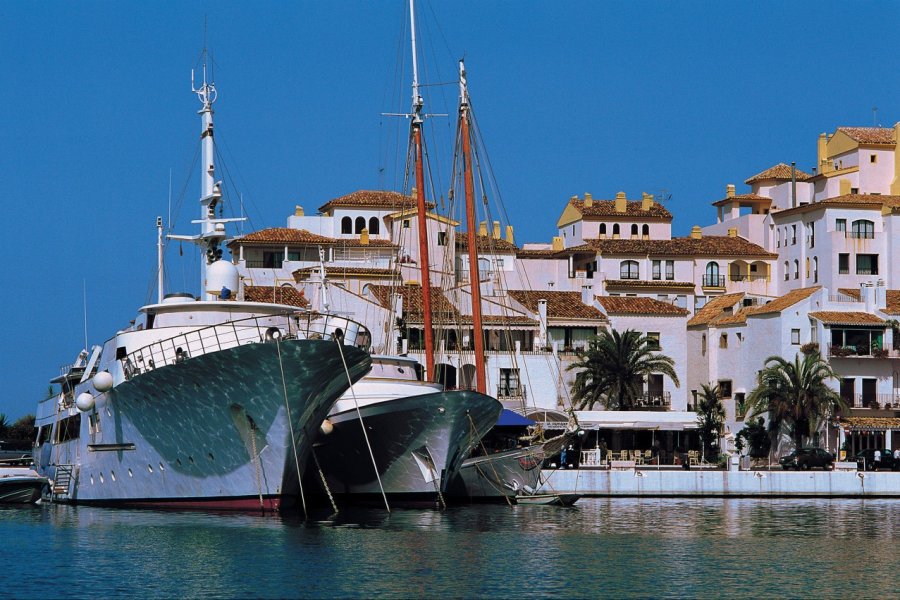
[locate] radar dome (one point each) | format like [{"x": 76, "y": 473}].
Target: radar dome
[
  {"x": 221, "y": 274},
  {"x": 84, "y": 402},
  {"x": 103, "y": 381}
]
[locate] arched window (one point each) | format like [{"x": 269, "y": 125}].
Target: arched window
[
  {"x": 628, "y": 269},
  {"x": 862, "y": 229},
  {"x": 373, "y": 225},
  {"x": 346, "y": 225},
  {"x": 815, "y": 270},
  {"x": 778, "y": 238},
  {"x": 602, "y": 228},
  {"x": 360, "y": 224},
  {"x": 807, "y": 267},
  {"x": 615, "y": 229},
  {"x": 796, "y": 269},
  {"x": 711, "y": 278},
  {"x": 645, "y": 230},
  {"x": 634, "y": 230}
]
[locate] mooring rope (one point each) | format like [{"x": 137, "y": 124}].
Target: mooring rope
[{"x": 324, "y": 481}]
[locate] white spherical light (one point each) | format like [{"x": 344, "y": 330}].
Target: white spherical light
[
  {"x": 84, "y": 402},
  {"x": 103, "y": 381}
]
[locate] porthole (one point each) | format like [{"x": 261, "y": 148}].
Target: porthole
[
  {"x": 130, "y": 474},
  {"x": 161, "y": 467},
  {"x": 150, "y": 468},
  {"x": 178, "y": 461},
  {"x": 211, "y": 457},
  {"x": 101, "y": 477},
  {"x": 191, "y": 459},
  {"x": 92, "y": 480},
  {"x": 113, "y": 475},
  {"x": 108, "y": 412}
]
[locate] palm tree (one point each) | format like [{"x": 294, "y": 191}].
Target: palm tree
[
  {"x": 795, "y": 395},
  {"x": 710, "y": 415},
  {"x": 613, "y": 368}
]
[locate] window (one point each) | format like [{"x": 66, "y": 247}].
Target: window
[
  {"x": 634, "y": 231},
  {"x": 867, "y": 264},
  {"x": 657, "y": 269},
  {"x": 873, "y": 158},
  {"x": 712, "y": 278},
  {"x": 615, "y": 229},
  {"x": 681, "y": 301},
  {"x": 645, "y": 231},
  {"x": 723, "y": 341},
  {"x": 442, "y": 238},
  {"x": 405, "y": 223},
  {"x": 854, "y": 190},
  {"x": 807, "y": 267},
  {"x": 653, "y": 340},
  {"x": 272, "y": 260},
  {"x": 602, "y": 229},
  {"x": 628, "y": 269},
  {"x": 703, "y": 344},
  {"x": 725, "y": 388},
  {"x": 840, "y": 225},
  {"x": 373, "y": 225},
  {"x": 787, "y": 270},
  {"x": 793, "y": 235},
  {"x": 360, "y": 224},
  {"x": 346, "y": 225},
  {"x": 812, "y": 235},
  {"x": 862, "y": 229},
  {"x": 795, "y": 337},
  {"x": 815, "y": 269},
  {"x": 843, "y": 264},
  {"x": 670, "y": 270},
  {"x": 778, "y": 238},
  {"x": 796, "y": 269}
]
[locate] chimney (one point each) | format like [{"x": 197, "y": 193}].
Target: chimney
[
  {"x": 482, "y": 229},
  {"x": 729, "y": 190},
  {"x": 621, "y": 202},
  {"x": 542, "y": 320},
  {"x": 557, "y": 244},
  {"x": 496, "y": 230},
  {"x": 587, "y": 295},
  {"x": 646, "y": 202},
  {"x": 298, "y": 211},
  {"x": 696, "y": 232},
  {"x": 364, "y": 236},
  {"x": 732, "y": 232},
  {"x": 895, "y": 184},
  {"x": 867, "y": 296},
  {"x": 588, "y": 200},
  {"x": 880, "y": 295},
  {"x": 509, "y": 234},
  {"x": 824, "y": 167},
  {"x": 793, "y": 183},
  {"x": 845, "y": 186}
]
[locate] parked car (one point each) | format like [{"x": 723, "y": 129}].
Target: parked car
[
  {"x": 806, "y": 458},
  {"x": 865, "y": 460}
]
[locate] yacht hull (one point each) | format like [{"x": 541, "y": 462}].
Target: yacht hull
[
  {"x": 20, "y": 486},
  {"x": 230, "y": 429},
  {"x": 418, "y": 442}
]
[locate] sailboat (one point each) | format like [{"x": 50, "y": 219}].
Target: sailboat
[
  {"x": 200, "y": 403},
  {"x": 394, "y": 433}
]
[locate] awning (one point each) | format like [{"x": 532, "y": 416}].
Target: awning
[
  {"x": 637, "y": 420},
  {"x": 509, "y": 418}
]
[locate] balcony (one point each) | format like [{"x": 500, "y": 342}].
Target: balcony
[
  {"x": 860, "y": 351},
  {"x": 872, "y": 401},
  {"x": 714, "y": 281},
  {"x": 654, "y": 401},
  {"x": 745, "y": 277}
]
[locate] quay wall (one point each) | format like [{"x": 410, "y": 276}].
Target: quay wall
[{"x": 630, "y": 482}]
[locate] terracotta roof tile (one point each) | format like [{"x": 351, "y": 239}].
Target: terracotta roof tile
[
  {"x": 851, "y": 293},
  {"x": 289, "y": 236},
  {"x": 738, "y": 318},
  {"x": 779, "y": 171},
  {"x": 870, "y": 135},
  {"x": 373, "y": 199},
  {"x": 341, "y": 271},
  {"x": 869, "y": 423},
  {"x": 275, "y": 295},
  {"x": 893, "y": 302},
  {"x": 684, "y": 246},
  {"x": 540, "y": 253},
  {"x": 656, "y": 283},
  {"x": 486, "y": 244},
  {"x": 633, "y": 208},
  {"x": 742, "y": 198},
  {"x": 714, "y": 308},
  {"x": 638, "y": 305},
  {"x": 831, "y": 317},
  {"x": 441, "y": 308},
  {"x": 560, "y": 305},
  {"x": 786, "y": 301}
]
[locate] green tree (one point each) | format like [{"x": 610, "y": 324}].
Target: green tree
[
  {"x": 795, "y": 395},
  {"x": 23, "y": 429},
  {"x": 4, "y": 426},
  {"x": 755, "y": 438},
  {"x": 612, "y": 370},
  {"x": 710, "y": 416}
]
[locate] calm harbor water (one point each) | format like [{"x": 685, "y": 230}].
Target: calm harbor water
[{"x": 616, "y": 547}]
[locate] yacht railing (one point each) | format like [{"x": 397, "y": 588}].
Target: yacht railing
[{"x": 252, "y": 330}]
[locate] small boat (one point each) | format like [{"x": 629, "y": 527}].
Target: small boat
[
  {"x": 548, "y": 499},
  {"x": 20, "y": 486}
]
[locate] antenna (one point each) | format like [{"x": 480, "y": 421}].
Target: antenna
[
  {"x": 84, "y": 302},
  {"x": 874, "y": 116},
  {"x": 418, "y": 102}
]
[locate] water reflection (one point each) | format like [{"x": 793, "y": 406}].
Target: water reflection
[{"x": 606, "y": 547}]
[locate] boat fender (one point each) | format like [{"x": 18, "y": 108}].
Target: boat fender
[
  {"x": 326, "y": 427},
  {"x": 273, "y": 334},
  {"x": 84, "y": 402},
  {"x": 103, "y": 381}
]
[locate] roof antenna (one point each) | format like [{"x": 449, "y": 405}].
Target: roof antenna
[{"x": 874, "y": 116}]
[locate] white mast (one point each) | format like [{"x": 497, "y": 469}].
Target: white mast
[
  {"x": 159, "y": 259},
  {"x": 418, "y": 102}
]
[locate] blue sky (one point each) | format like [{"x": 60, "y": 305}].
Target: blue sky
[{"x": 96, "y": 109}]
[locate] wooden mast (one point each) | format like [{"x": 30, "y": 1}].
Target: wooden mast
[
  {"x": 416, "y": 125},
  {"x": 474, "y": 277}
]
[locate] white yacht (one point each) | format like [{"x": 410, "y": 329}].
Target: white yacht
[{"x": 199, "y": 403}]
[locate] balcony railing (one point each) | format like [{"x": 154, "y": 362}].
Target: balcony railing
[
  {"x": 655, "y": 399},
  {"x": 717, "y": 281},
  {"x": 862, "y": 235},
  {"x": 859, "y": 350},
  {"x": 747, "y": 277},
  {"x": 253, "y": 330},
  {"x": 872, "y": 401},
  {"x": 511, "y": 391}
]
